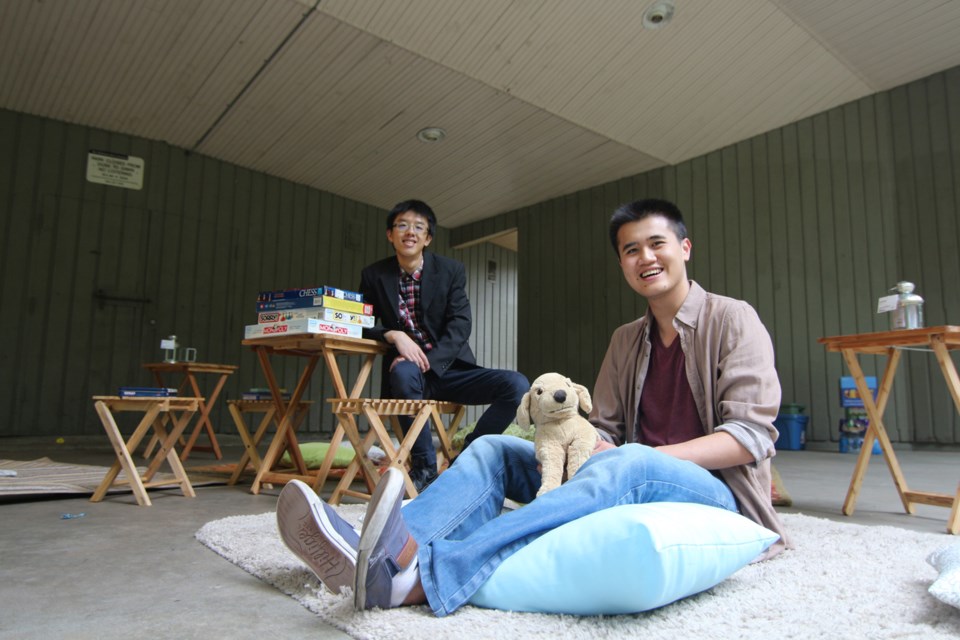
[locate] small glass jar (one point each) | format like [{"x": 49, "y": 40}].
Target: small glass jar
[{"x": 909, "y": 311}]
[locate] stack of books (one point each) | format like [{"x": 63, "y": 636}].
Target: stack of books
[
  {"x": 262, "y": 393},
  {"x": 314, "y": 310},
  {"x": 147, "y": 392}
]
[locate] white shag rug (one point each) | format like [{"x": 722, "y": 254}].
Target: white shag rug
[{"x": 842, "y": 581}]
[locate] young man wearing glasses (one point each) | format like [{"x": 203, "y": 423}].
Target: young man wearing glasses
[{"x": 423, "y": 313}]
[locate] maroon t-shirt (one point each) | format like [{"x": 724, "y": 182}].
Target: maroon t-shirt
[{"x": 668, "y": 412}]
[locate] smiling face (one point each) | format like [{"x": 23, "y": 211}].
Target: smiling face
[
  {"x": 410, "y": 235},
  {"x": 654, "y": 260}
]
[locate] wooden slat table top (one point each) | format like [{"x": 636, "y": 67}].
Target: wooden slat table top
[
  {"x": 139, "y": 403},
  {"x": 391, "y": 406},
  {"x": 309, "y": 344},
  {"x": 879, "y": 341},
  {"x": 190, "y": 367}
]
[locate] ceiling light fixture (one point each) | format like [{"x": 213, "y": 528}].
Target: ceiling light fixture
[
  {"x": 431, "y": 134},
  {"x": 658, "y": 14}
]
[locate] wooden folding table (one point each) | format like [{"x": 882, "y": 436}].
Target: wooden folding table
[
  {"x": 311, "y": 347},
  {"x": 179, "y": 410},
  {"x": 268, "y": 410},
  {"x": 188, "y": 387},
  {"x": 940, "y": 340}
]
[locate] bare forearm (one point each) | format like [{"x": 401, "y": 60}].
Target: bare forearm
[{"x": 718, "y": 450}]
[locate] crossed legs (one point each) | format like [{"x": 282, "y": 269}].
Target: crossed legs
[{"x": 450, "y": 539}]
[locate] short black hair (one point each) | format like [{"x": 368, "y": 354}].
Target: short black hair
[
  {"x": 417, "y": 206},
  {"x": 640, "y": 209}
]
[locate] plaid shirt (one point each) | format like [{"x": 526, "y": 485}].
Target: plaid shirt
[{"x": 409, "y": 304}]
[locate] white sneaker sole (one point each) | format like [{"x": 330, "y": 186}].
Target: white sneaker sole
[
  {"x": 374, "y": 522},
  {"x": 307, "y": 531}
]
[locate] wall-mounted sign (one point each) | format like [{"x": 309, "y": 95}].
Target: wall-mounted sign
[
  {"x": 115, "y": 169},
  {"x": 491, "y": 270}
]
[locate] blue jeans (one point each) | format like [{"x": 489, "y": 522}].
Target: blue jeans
[
  {"x": 464, "y": 384},
  {"x": 462, "y": 537}
]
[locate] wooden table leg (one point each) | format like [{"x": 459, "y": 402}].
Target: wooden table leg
[
  {"x": 446, "y": 434},
  {"x": 953, "y": 523},
  {"x": 335, "y": 441},
  {"x": 203, "y": 423},
  {"x": 250, "y": 453},
  {"x": 953, "y": 384},
  {"x": 154, "y": 439},
  {"x": 348, "y": 425},
  {"x": 397, "y": 457},
  {"x": 875, "y": 430},
  {"x": 122, "y": 449},
  {"x": 284, "y": 432},
  {"x": 168, "y": 450}
]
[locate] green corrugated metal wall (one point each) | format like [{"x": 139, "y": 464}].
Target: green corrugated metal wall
[
  {"x": 94, "y": 276},
  {"x": 810, "y": 223}
]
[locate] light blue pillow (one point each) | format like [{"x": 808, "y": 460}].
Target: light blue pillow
[
  {"x": 946, "y": 588},
  {"x": 625, "y": 559}
]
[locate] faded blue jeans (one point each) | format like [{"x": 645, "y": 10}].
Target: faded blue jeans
[{"x": 462, "y": 537}]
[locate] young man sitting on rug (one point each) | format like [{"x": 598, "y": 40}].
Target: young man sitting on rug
[{"x": 684, "y": 404}]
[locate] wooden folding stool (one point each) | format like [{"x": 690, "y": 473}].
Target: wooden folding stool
[
  {"x": 423, "y": 412},
  {"x": 179, "y": 410}
]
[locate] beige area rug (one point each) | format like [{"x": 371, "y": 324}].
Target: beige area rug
[
  {"x": 46, "y": 477},
  {"x": 843, "y": 581}
]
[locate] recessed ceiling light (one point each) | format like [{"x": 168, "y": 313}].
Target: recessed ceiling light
[
  {"x": 658, "y": 14},
  {"x": 431, "y": 134}
]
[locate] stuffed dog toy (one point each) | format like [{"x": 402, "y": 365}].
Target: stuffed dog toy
[{"x": 563, "y": 438}]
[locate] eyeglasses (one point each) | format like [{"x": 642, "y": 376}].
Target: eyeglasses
[{"x": 418, "y": 228}]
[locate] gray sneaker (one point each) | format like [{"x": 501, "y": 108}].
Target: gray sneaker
[
  {"x": 316, "y": 533},
  {"x": 386, "y": 546}
]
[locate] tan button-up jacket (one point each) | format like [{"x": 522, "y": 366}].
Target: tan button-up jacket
[{"x": 730, "y": 368}]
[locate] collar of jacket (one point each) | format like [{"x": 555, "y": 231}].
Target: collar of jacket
[{"x": 688, "y": 314}]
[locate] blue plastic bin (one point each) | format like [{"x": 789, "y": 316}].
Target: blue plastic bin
[{"x": 793, "y": 431}]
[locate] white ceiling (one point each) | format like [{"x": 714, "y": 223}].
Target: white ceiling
[{"x": 539, "y": 98}]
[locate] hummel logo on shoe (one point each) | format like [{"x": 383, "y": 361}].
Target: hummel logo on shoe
[{"x": 316, "y": 534}]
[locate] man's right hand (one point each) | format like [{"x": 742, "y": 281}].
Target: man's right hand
[
  {"x": 408, "y": 350},
  {"x": 602, "y": 445}
]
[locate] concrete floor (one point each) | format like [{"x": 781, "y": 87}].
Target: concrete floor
[{"x": 124, "y": 571}]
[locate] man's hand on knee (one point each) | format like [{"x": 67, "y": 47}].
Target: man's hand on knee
[
  {"x": 408, "y": 350},
  {"x": 602, "y": 445}
]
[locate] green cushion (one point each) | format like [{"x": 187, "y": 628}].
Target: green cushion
[
  {"x": 512, "y": 430},
  {"x": 314, "y": 452}
]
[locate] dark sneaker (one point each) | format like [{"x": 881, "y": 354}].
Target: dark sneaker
[
  {"x": 316, "y": 533},
  {"x": 422, "y": 477},
  {"x": 386, "y": 547}
]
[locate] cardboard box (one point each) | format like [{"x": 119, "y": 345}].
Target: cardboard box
[
  {"x": 304, "y": 325},
  {"x": 849, "y": 396}
]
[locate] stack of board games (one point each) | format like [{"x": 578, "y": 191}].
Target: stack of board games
[{"x": 313, "y": 310}]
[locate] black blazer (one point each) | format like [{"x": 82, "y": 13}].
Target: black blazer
[{"x": 444, "y": 305}]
